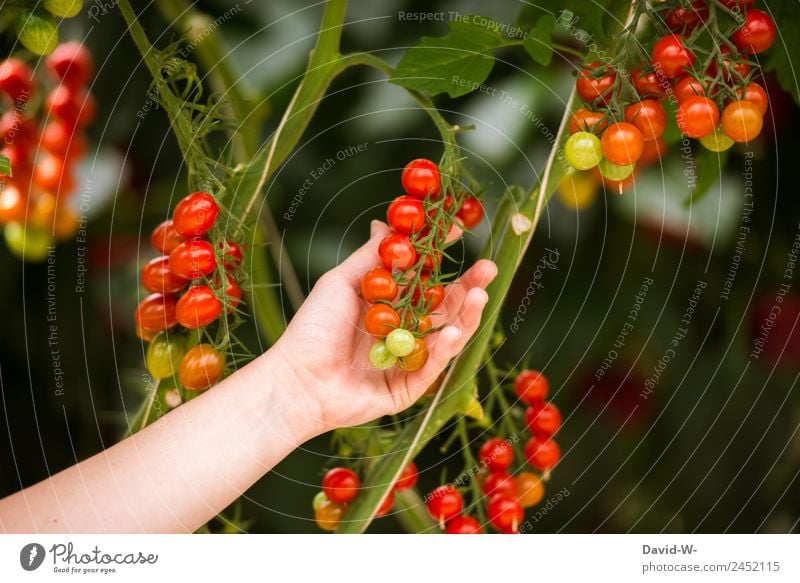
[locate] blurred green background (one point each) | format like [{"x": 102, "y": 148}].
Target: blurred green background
[{"x": 714, "y": 448}]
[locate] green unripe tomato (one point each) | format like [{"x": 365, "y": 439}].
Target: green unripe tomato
[
  {"x": 320, "y": 500},
  {"x": 583, "y": 151},
  {"x": 400, "y": 342},
  {"x": 717, "y": 141},
  {"x": 37, "y": 31},
  {"x": 616, "y": 172},
  {"x": 380, "y": 357},
  {"x": 63, "y": 8},
  {"x": 31, "y": 244},
  {"x": 164, "y": 354}
]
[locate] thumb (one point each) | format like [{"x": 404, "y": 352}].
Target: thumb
[{"x": 354, "y": 267}]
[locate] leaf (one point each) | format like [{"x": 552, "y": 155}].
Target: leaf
[
  {"x": 785, "y": 52},
  {"x": 601, "y": 21},
  {"x": 456, "y": 63},
  {"x": 5, "y": 165},
  {"x": 538, "y": 42}
]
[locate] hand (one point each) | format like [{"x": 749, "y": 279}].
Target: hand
[{"x": 326, "y": 348}]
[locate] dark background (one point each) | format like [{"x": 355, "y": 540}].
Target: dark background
[{"x": 714, "y": 448}]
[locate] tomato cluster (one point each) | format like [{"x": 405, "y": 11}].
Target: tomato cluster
[
  {"x": 188, "y": 289},
  {"x": 341, "y": 485},
  {"x": 712, "y": 90},
  {"x": 43, "y": 147},
  {"x": 506, "y": 495},
  {"x": 406, "y": 289}
]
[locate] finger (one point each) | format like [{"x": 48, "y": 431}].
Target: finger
[
  {"x": 354, "y": 267},
  {"x": 478, "y": 276}
]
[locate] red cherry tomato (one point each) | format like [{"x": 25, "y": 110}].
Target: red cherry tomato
[
  {"x": 742, "y": 121},
  {"x": 649, "y": 118},
  {"x": 542, "y": 454},
  {"x": 671, "y": 56},
  {"x": 444, "y": 503},
  {"x": 543, "y": 419},
  {"x": 697, "y": 116},
  {"x": 505, "y": 512},
  {"x": 157, "y": 277},
  {"x": 531, "y": 386},
  {"x": 500, "y": 482},
  {"x": 433, "y": 295},
  {"x": 201, "y": 367},
  {"x": 653, "y": 152},
  {"x": 595, "y": 83},
  {"x": 463, "y": 525},
  {"x": 155, "y": 313},
  {"x": 755, "y": 93},
  {"x": 165, "y": 238},
  {"x": 431, "y": 261},
  {"x": 17, "y": 130},
  {"x": 71, "y": 63},
  {"x": 470, "y": 213},
  {"x": 192, "y": 259},
  {"x": 198, "y": 307},
  {"x": 408, "y": 478},
  {"x": 232, "y": 254},
  {"x": 341, "y": 485},
  {"x": 688, "y": 86},
  {"x": 420, "y": 178},
  {"x": 380, "y": 320},
  {"x": 195, "y": 214},
  {"x": 586, "y": 120},
  {"x": 757, "y": 34},
  {"x": 378, "y": 284},
  {"x": 496, "y": 454},
  {"x": 60, "y": 139},
  {"x": 397, "y": 252},
  {"x": 233, "y": 293},
  {"x": 53, "y": 174},
  {"x": 684, "y": 19},
  {"x": 648, "y": 84},
  {"x": 12, "y": 203},
  {"x": 406, "y": 215},
  {"x": 622, "y": 143},
  {"x": 73, "y": 105},
  {"x": 16, "y": 80},
  {"x": 386, "y": 505}
]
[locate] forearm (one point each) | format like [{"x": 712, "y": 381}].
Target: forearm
[{"x": 181, "y": 471}]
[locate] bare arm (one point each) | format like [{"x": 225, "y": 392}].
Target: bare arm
[{"x": 176, "y": 474}]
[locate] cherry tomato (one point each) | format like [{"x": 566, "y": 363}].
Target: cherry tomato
[
  {"x": 406, "y": 215},
  {"x": 742, "y": 121},
  {"x": 164, "y": 354},
  {"x": 43, "y": 210},
  {"x": 578, "y": 190},
  {"x": 232, "y": 254},
  {"x": 463, "y": 525},
  {"x": 648, "y": 84},
  {"x": 697, "y": 116},
  {"x": 71, "y": 63},
  {"x": 408, "y": 478},
  {"x": 649, "y": 118},
  {"x": 496, "y": 454},
  {"x": 53, "y": 174},
  {"x": 431, "y": 261},
  {"x": 687, "y": 86},
  {"x": 417, "y": 359},
  {"x": 381, "y": 319},
  {"x": 195, "y": 214},
  {"x": 622, "y": 143},
  {"x": 60, "y": 139},
  {"x": 74, "y": 106},
  {"x": 16, "y": 80},
  {"x": 320, "y": 500},
  {"x": 717, "y": 141},
  {"x": 542, "y": 454},
  {"x": 470, "y": 213},
  {"x": 687, "y": 18},
  {"x": 671, "y": 56},
  {"x": 586, "y": 120},
  {"x": 397, "y": 252},
  {"x": 583, "y": 150},
  {"x": 400, "y": 342},
  {"x": 165, "y": 238},
  {"x": 420, "y": 178},
  {"x": 12, "y": 203},
  {"x": 595, "y": 83},
  {"x": 444, "y": 503},
  {"x": 756, "y": 94},
  {"x": 198, "y": 307},
  {"x": 233, "y": 293},
  {"x": 380, "y": 357},
  {"x": 201, "y": 367},
  {"x": 192, "y": 259},
  {"x": 433, "y": 295},
  {"x": 543, "y": 419},
  {"x": 17, "y": 130},
  {"x": 530, "y": 489},
  {"x": 504, "y": 512},
  {"x": 499, "y": 482},
  {"x": 757, "y": 34},
  {"x": 386, "y": 505},
  {"x": 329, "y": 515},
  {"x": 156, "y": 312},
  {"x": 341, "y": 484},
  {"x": 378, "y": 284},
  {"x": 531, "y": 386},
  {"x": 158, "y": 277}
]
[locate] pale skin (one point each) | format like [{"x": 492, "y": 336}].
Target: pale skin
[{"x": 181, "y": 471}]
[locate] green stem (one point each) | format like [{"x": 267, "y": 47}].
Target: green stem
[{"x": 411, "y": 513}]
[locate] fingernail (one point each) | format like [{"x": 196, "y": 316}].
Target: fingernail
[{"x": 374, "y": 227}]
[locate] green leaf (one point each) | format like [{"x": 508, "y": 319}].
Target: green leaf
[
  {"x": 456, "y": 63},
  {"x": 784, "y": 55},
  {"x": 602, "y": 21},
  {"x": 5, "y": 166},
  {"x": 538, "y": 43}
]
